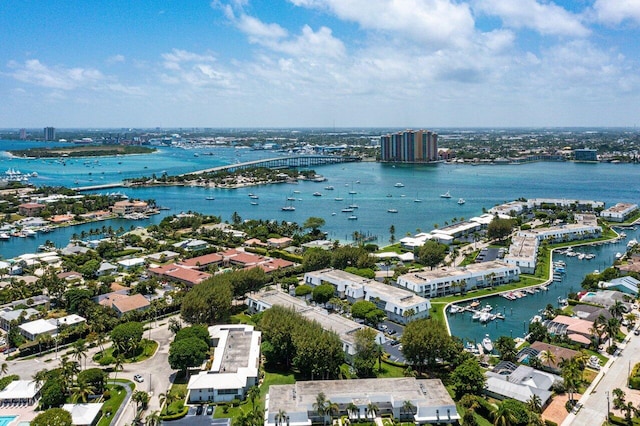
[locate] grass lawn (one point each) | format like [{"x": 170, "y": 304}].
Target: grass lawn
[
  {"x": 270, "y": 378},
  {"x": 242, "y": 318},
  {"x": 112, "y": 404},
  {"x": 389, "y": 370},
  {"x": 146, "y": 349},
  {"x": 177, "y": 393}
]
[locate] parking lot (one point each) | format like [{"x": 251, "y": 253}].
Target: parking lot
[
  {"x": 393, "y": 332},
  {"x": 192, "y": 419}
]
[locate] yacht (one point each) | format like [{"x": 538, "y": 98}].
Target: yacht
[
  {"x": 5, "y": 236},
  {"x": 339, "y": 199},
  {"x": 347, "y": 210},
  {"x": 445, "y": 195},
  {"x": 317, "y": 194},
  {"x": 210, "y": 198},
  {"x": 417, "y": 200},
  {"x": 353, "y": 192},
  {"x": 392, "y": 210},
  {"x": 461, "y": 201},
  {"x": 353, "y": 217},
  {"x": 329, "y": 188},
  {"x": 487, "y": 344},
  {"x": 29, "y": 232},
  {"x": 632, "y": 243},
  {"x": 253, "y": 196},
  {"x": 288, "y": 208},
  {"x": 399, "y": 185},
  {"x": 253, "y": 203}
]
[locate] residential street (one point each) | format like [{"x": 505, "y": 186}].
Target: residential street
[
  {"x": 613, "y": 375},
  {"x": 156, "y": 371}
]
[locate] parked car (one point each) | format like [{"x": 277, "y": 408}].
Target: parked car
[
  {"x": 209, "y": 410},
  {"x": 199, "y": 410},
  {"x": 637, "y": 332},
  {"x": 138, "y": 378}
]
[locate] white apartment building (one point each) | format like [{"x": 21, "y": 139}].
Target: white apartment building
[
  {"x": 523, "y": 253},
  {"x": 619, "y": 213},
  {"x": 443, "y": 281},
  {"x": 399, "y": 305},
  {"x": 563, "y": 233},
  {"x": 234, "y": 368}
]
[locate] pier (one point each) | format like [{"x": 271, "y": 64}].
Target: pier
[{"x": 95, "y": 187}]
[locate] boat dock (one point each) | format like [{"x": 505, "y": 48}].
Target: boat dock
[{"x": 483, "y": 315}]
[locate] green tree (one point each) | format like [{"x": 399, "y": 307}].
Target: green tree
[
  {"x": 127, "y": 336},
  {"x": 314, "y": 223},
  {"x": 425, "y": 340},
  {"x": 303, "y": 290},
  {"x": 94, "y": 377},
  {"x": 468, "y": 378},
  {"x": 537, "y": 332},
  {"x": 507, "y": 348},
  {"x": 53, "y": 393},
  {"x": 364, "y": 360},
  {"x": 323, "y": 293},
  {"x": 53, "y": 417},
  {"x": 185, "y": 353},
  {"x": 431, "y": 253},
  {"x": 547, "y": 357},
  {"x": 208, "y": 302},
  {"x": 315, "y": 258},
  {"x": 499, "y": 229},
  {"x": 503, "y": 416}
]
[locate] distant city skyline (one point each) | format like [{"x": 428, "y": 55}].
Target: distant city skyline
[{"x": 320, "y": 63}]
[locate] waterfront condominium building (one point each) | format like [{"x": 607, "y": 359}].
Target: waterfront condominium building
[
  {"x": 49, "y": 133},
  {"x": 409, "y": 146}
]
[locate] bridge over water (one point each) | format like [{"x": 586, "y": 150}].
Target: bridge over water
[{"x": 295, "y": 161}]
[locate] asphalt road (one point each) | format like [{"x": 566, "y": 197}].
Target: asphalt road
[
  {"x": 614, "y": 375},
  {"x": 156, "y": 371}
]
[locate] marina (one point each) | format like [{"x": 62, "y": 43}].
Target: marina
[{"x": 519, "y": 308}]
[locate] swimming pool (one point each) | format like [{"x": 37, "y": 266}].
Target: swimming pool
[{"x": 5, "y": 420}]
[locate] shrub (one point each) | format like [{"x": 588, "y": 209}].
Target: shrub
[
  {"x": 175, "y": 416},
  {"x": 106, "y": 395},
  {"x": 550, "y": 423}
]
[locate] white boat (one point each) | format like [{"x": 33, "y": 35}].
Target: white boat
[
  {"x": 339, "y": 199},
  {"x": 417, "y": 200},
  {"x": 487, "y": 344},
  {"x": 253, "y": 203},
  {"x": 476, "y": 316},
  {"x": 211, "y": 198},
  {"x": 632, "y": 243},
  {"x": 618, "y": 255},
  {"x": 29, "y": 232},
  {"x": 454, "y": 309},
  {"x": 5, "y": 236},
  {"x": 486, "y": 317},
  {"x": 329, "y": 188},
  {"x": 399, "y": 185},
  {"x": 347, "y": 210},
  {"x": 253, "y": 196},
  {"x": 461, "y": 201},
  {"x": 392, "y": 210},
  {"x": 288, "y": 208},
  {"x": 445, "y": 195},
  {"x": 317, "y": 194},
  {"x": 353, "y": 217}
]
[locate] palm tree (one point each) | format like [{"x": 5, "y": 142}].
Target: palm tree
[
  {"x": 352, "y": 409},
  {"x": 548, "y": 357},
  {"x": 503, "y": 416},
  {"x": 572, "y": 375},
  {"x": 152, "y": 419},
  {"x": 280, "y": 417},
  {"x": 162, "y": 398},
  {"x": 4, "y": 368},
  {"x": 80, "y": 351},
  {"x": 408, "y": 407},
  {"x": 141, "y": 398},
  {"x": 332, "y": 409},
  {"x": 612, "y": 328},
  {"x": 321, "y": 406},
  {"x": 372, "y": 410},
  {"x": 40, "y": 377},
  {"x": 253, "y": 394},
  {"x": 535, "y": 404},
  {"x": 82, "y": 391},
  {"x": 617, "y": 309},
  {"x": 117, "y": 365}
]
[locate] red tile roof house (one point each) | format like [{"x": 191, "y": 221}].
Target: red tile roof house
[
  {"x": 279, "y": 242},
  {"x": 122, "y": 303},
  {"x": 202, "y": 262},
  {"x": 180, "y": 273},
  {"x": 30, "y": 209},
  {"x": 248, "y": 261}
]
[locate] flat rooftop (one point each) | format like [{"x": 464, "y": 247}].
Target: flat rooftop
[
  {"x": 477, "y": 268},
  {"x": 233, "y": 350}
]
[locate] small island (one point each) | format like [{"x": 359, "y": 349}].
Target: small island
[{"x": 82, "y": 151}]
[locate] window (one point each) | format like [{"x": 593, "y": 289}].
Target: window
[{"x": 227, "y": 391}]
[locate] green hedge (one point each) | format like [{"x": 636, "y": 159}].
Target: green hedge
[
  {"x": 550, "y": 423},
  {"x": 4, "y": 382},
  {"x": 615, "y": 420},
  {"x": 286, "y": 256},
  {"x": 175, "y": 416}
]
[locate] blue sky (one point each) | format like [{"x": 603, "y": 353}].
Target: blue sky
[{"x": 320, "y": 63}]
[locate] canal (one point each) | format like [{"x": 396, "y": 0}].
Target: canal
[{"x": 518, "y": 313}]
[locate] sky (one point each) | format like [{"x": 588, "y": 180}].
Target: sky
[{"x": 319, "y": 63}]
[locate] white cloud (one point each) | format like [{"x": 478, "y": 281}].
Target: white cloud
[
  {"x": 435, "y": 23},
  {"x": 34, "y": 72},
  {"x": 546, "y": 18},
  {"x": 617, "y": 11},
  {"x": 115, "y": 59}
]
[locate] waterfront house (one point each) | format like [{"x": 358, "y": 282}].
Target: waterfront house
[
  {"x": 30, "y": 209},
  {"x": 430, "y": 400},
  {"x": 279, "y": 242},
  {"x": 203, "y": 262},
  {"x": 442, "y": 281},
  {"x": 606, "y": 298},
  {"x": 619, "y": 212},
  {"x": 627, "y": 284},
  {"x": 575, "y": 329},
  {"x": 553, "y": 364},
  {"x": 126, "y": 207},
  {"x": 233, "y": 369},
  {"x": 399, "y": 305},
  {"x": 192, "y": 244}
]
